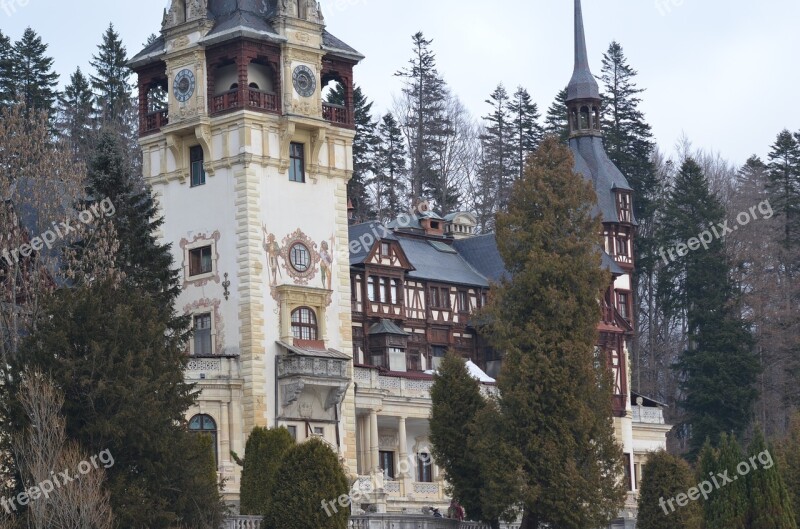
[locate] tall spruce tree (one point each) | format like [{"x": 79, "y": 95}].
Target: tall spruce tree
[
  {"x": 33, "y": 74},
  {"x": 664, "y": 476},
  {"x": 264, "y": 451},
  {"x": 364, "y": 146},
  {"x": 555, "y": 393},
  {"x": 527, "y": 132},
  {"x": 788, "y": 459},
  {"x": 75, "y": 121},
  {"x": 390, "y": 166},
  {"x": 111, "y": 80},
  {"x": 718, "y": 368},
  {"x": 108, "y": 347},
  {"x": 7, "y": 88},
  {"x": 556, "y": 122},
  {"x": 455, "y": 402},
  {"x": 784, "y": 186},
  {"x": 770, "y": 502},
  {"x": 426, "y": 121},
  {"x": 499, "y": 156},
  {"x": 145, "y": 261}
]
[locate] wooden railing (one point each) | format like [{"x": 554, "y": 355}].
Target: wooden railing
[
  {"x": 153, "y": 121},
  {"x": 335, "y": 114},
  {"x": 263, "y": 100},
  {"x": 225, "y": 101},
  {"x": 256, "y": 99}
]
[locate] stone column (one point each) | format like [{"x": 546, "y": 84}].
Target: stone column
[
  {"x": 404, "y": 464},
  {"x": 374, "y": 442}
]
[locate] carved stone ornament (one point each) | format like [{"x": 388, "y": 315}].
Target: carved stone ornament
[{"x": 292, "y": 392}]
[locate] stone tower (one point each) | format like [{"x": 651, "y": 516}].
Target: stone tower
[{"x": 250, "y": 167}]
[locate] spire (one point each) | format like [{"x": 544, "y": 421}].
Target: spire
[{"x": 583, "y": 85}]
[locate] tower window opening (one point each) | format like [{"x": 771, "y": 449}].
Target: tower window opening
[
  {"x": 584, "y": 125},
  {"x": 596, "y": 113}
]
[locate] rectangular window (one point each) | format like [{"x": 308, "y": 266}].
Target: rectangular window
[
  {"x": 393, "y": 291},
  {"x": 371, "y": 289},
  {"x": 319, "y": 430},
  {"x": 463, "y": 301},
  {"x": 440, "y": 298},
  {"x": 297, "y": 163},
  {"x": 424, "y": 468},
  {"x": 292, "y": 431},
  {"x": 202, "y": 335},
  {"x": 385, "y": 249},
  {"x": 434, "y": 297},
  {"x": 200, "y": 261},
  {"x": 196, "y": 161},
  {"x": 622, "y": 304},
  {"x": 387, "y": 464},
  {"x": 622, "y": 246},
  {"x": 384, "y": 290}
]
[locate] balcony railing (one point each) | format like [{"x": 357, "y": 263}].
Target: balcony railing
[
  {"x": 263, "y": 100},
  {"x": 648, "y": 415},
  {"x": 418, "y": 521},
  {"x": 335, "y": 113},
  {"x": 243, "y": 522},
  {"x": 153, "y": 121},
  {"x": 226, "y": 101}
]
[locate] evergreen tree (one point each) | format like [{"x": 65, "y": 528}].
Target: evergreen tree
[
  {"x": 111, "y": 81},
  {"x": 788, "y": 460},
  {"x": 145, "y": 261},
  {"x": 263, "y": 455},
  {"x": 426, "y": 121},
  {"x": 718, "y": 369},
  {"x": 33, "y": 74},
  {"x": 527, "y": 132},
  {"x": 664, "y": 477},
  {"x": 770, "y": 503},
  {"x": 7, "y": 88},
  {"x": 364, "y": 146},
  {"x": 456, "y": 400},
  {"x": 75, "y": 120},
  {"x": 312, "y": 482},
  {"x": 499, "y": 154},
  {"x": 726, "y": 507},
  {"x": 784, "y": 185},
  {"x": 389, "y": 182},
  {"x": 545, "y": 317},
  {"x": 108, "y": 347},
  {"x": 556, "y": 123}
]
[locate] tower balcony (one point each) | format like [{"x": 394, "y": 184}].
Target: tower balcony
[
  {"x": 256, "y": 100},
  {"x": 153, "y": 121},
  {"x": 336, "y": 114}
]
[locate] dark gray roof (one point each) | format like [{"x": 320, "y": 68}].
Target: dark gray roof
[
  {"x": 386, "y": 327},
  {"x": 583, "y": 85},
  {"x": 435, "y": 265},
  {"x": 482, "y": 254},
  {"x": 593, "y": 163},
  {"x": 363, "y": 237},
  {"x": 313, "y": 353},
  {"x": 611, "y": 265},
  {"x": 236, "y": 18}
]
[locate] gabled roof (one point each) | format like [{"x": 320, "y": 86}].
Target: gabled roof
[
  {"x": 363, "y": 237},
  {"x": 433, "y": 264},
  {"x": 481, "y": 252},
  {"x": 386, "y": 327}
]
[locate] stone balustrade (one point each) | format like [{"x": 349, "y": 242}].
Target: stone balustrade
[
  {"x": 648, "y": 415},
  {"x": 243, "y": 522},
  {"x": 415, "y": 521}
]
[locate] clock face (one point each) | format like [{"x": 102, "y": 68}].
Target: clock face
[
  {"x": 304, "y": 80},
  {"x": 184, "y": 85}
]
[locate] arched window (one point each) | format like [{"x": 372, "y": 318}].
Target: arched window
[
  {"x": 584, "y": 118},
  {"x": 304, "y": 324},
  {"x": 204, "y": 424}
]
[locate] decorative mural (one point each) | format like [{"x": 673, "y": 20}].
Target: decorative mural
[{"x": 299, "y": 259}]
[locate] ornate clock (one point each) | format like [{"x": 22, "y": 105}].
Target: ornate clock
[
  {"x": 184, "y": 85},
  {"x": 304, "y": 80}
]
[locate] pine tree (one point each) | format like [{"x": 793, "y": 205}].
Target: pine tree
[
  {"x": 75, "y": 119},
  {"x": 108, "y": 347},
  {"x": 34, "y": 78},
  {"x": 664, "y": 477},
  {"x": 312, "y": 479},
  {"x": 784, "y": 185},
  {"x": 544, "y": 317},
  {"x": 770, "y": 503},
  {"x": 499, "y": 154},
  {"x": 426, "y": 122},
  {"x": 263, "y": 455},
  {"x": 364, "y": 146},
  {"x": 389, "y": 182},
  {"x": 455, "y": 401},
  {"x": 718, "y": 369},
  {"x": 7, "y": 88},
  {"x": 146, "y": 262},
  {"x": 111, "y": 81},
  {"x": 556, "y": 123},
  {"x": 527, "y": 132}
]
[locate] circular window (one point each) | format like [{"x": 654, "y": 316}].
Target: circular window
[{"x": 300, "y": 257}]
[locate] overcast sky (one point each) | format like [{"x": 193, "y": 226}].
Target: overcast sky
[{"x": 724, "y": 72}]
